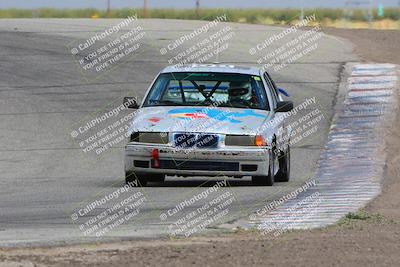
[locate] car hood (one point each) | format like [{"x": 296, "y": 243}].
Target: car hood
[{"x": 199, "y": 119}]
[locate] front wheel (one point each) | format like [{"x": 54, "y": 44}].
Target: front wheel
[
  {"x": 269, "y": 179},
  {"x": 135, "y": 179},
  {"x": 283, "y": 174}
]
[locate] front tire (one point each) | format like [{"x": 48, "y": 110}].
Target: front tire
[
  {"x": 269, "y": 179},
  {"x": 135, "y": 178},
  {"x": 283, "y": 174}
]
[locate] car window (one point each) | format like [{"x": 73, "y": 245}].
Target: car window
[
  {"x": 275, "y": 98},
  {"x": 191, "y": 94},
  {"x": 204, "y": 89},
  {"x": 272, "y": 82}
]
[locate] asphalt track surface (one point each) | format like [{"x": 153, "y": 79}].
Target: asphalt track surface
[{"x": 45, "y": 176}]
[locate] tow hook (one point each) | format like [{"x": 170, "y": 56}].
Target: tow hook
[{"x": 156, "y": 158}]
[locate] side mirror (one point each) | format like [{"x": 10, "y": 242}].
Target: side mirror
[
  {"x": 284, "y": 106},
  {"x": 283, "y": 92},
  {"x": 130, "y": 102}
]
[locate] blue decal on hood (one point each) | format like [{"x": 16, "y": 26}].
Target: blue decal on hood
[{"x": 198, "y": 113}]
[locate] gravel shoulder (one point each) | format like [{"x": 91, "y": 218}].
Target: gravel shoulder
[{"x": 372, "y": 238}]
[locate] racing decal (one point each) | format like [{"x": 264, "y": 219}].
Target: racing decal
[
  {"x": 220, "y": 115},
  {"x": 154, "y": 119}
]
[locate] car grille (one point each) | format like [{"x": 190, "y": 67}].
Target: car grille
[
  {"x": 197, "y": 165},
  {"x": 187, "y": 140}
]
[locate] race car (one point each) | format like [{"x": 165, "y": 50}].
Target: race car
[{"x": 210, "y": 120}]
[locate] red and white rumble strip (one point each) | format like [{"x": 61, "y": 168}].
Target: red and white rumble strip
[{"x": 351, "y": 167}]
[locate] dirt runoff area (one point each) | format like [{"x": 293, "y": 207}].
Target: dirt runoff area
[{"x": 368, "y": 238}]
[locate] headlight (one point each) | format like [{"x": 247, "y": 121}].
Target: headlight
[
  {"x": 244, "y": 140},
  {"x": 150, "y": 137},
  {"x": 239, "y": 140}
]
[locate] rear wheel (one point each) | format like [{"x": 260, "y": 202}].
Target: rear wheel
[
  {"x": 269, "y": 179},
  {"x": 283, "y": 174}
]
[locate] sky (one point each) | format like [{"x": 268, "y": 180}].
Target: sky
[{"x": 101, "y": 4}]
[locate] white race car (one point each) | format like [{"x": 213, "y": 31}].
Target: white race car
[{"x": 210, "y": 120}]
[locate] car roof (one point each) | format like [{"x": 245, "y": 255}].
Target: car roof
[{"x": 222, "y": 68}]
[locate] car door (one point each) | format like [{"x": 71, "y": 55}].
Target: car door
[{"x": 281, "y": 124}]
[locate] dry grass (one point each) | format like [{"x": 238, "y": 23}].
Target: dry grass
[{"x": 326, "y": 17}]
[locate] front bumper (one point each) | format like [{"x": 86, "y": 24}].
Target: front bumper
[{"x": 226, "y": 161}]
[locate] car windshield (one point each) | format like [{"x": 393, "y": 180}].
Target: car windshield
[{"x": 206, "y": 89}]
